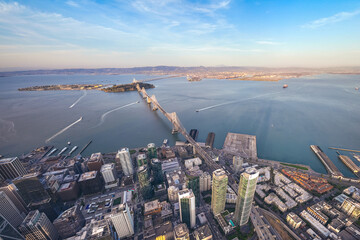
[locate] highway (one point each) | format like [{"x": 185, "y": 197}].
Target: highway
[{"x": 262, "y": 227}]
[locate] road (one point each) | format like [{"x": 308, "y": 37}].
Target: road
[{"x": 262, "y": 226}]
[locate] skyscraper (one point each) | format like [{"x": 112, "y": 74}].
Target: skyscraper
[
  {"x": 37, "y": 226},
  {"x": 109, "y": 175},
  {"x": 144, "y": 181},
  {"x": 11, "y": 191},
  {"x": 205, "y": 182},
  {"x": 9, "y": 211},
  {"x": 7, "y": 231},
  {"x": 237, "y": 163},
  {"x": 122, "y": 220},
  {"x": 123, "y": 156},
  {"x": 247, "y": 186},
  {"x": 193, "y": 183},
  {"x": 11, "y": 168},
  {"x": 187, "y": 207},
  {"x": 69, "y": 222},
  {"x": 219, "y": 186}
]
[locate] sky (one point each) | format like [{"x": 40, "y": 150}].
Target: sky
[{"x": 38, "y": 34}]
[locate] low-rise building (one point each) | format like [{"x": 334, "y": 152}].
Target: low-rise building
[
  {"x": 151, "y": 208},
  {"x": 181, "y": 232},
  {"x": 69, "y": 222},
  {"x": 294, "y": 220},
  {"x": 272, "y": 198},
  {"x": 203, "y": 233},
  {"x": 315, "y": 224}
]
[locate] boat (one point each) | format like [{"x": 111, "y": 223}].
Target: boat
[
  {"x": 62, "y": 151},
  {"x": 285, "y": 86},
  {"x": 73, "y": 149},
  {"x": 196, "y": 110},
  {"x": 52, "y": 151},
  {"x": 356, "y": 88},
  {"x": 69, "y": 143}
]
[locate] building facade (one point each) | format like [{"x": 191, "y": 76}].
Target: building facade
[
  {"x": 11, "y": 168},
  {"x": 181, "y": 232},
  {"x": 205, "y": 182},
  {"x": 187, "y": 207},
  {"x": 122, "y": 220},
  {"x": 109, "y": 175},
  {"x": 7, "y": 231},
  {"x": 9, "y": 211},
  {"x": 37, "y": 226},
  {"x": 69, "y": 222},
  {"x": 247, "y": 187},
  {"x": 219, "y": 186},
  {"x": 11, "y": 191},
  {"x": 124, "y": 159}
]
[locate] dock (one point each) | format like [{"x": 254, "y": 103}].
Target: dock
[
  {"x": 329, "y": 165},
  {"x": 83, "y": 149},
  {"x": 210, "y": 140},
  {"x": 344, "y": 149},
  {"x": 350, "y": 164}
]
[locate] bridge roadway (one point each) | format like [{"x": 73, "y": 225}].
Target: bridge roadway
[{"x": 177, "y": 127}]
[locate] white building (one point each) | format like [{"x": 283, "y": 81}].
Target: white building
[
  {"x": 9, "y": 211},
  {"x": 173, "y": 193},
  {"x": 125, "y": 160},
  {"x": 205, "y": 182},
  {"x": 187, "y": 207},
  {"x": 108, "y": 172},
  {"x": 11, "y": 168},
  {"x": 123, "y": 221}
]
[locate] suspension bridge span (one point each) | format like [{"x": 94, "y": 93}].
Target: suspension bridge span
[{"x": 178, "y": 128}]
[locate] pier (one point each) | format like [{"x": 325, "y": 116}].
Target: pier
[
  {"x": 329, "y": 165},
  {"x": 344, "y": 149},
  {"x": 350, "y": 164},
  {"x": 83, "y": 149}
]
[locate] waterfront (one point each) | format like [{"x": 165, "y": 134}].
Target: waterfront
[{"x": 321, "y": 110}]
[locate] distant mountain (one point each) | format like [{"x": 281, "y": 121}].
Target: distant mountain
[{"x": 163, "y": 70}]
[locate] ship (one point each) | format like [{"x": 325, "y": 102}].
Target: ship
[
  {"x": 285, "y": 86},
  {"x": 357, "y": 157},
  {"x": 69, "y": 143},
  {"x": 73, "y": 149},
  {"x": 62, "y": 151}
]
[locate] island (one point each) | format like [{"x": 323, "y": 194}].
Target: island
[{"x": 105, "y": 88}]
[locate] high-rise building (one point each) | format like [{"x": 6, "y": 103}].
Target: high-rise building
[
  {"x": 193, "y": 183},
  {"x": 11, "y": 168},
  {"x": 123, "y": 157},
  {"x": 90, "y": 182},
  {"x": 173, "y": 193},
  {"x": 205, "y": 182},
  {"x": 30, "y": 188},
  {"x": 141, "y": 160},
  {"x": 11, "y": 191},
  {"x": 108, "y": 172},
  {"x": 69, "y": 222},
  {"x": 237, "y": 163},
  {"x": 157, "y": 174},
  {"x": 187, "y": 207},
  {"x": 152, "y": 153},
  {"x": 9, "y": 211},
  {"x": 95, "y": 162},
  {"x": 247, "y": 187},
  {"x": 144, "y": 181},
  {"x": 122, "y": 220},
  {"x": 203, "y": 233},
  {"x": 181, "y": 232},
  {"x": 37, "y": 226},
  {"x": 7, "y": 231},
  {"x": 219, "y": 186}
]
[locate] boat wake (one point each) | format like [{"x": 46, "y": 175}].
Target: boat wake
[
  {"x": 62, "y": 130},
  {"x": 242, "y": 100},
  {"x": 78, "y": 100},
  {"x": 102, "y": 119}
]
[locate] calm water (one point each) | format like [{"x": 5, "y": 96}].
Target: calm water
[{"x": 322, "y": 110}]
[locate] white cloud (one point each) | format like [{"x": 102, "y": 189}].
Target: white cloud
[
  {"x": 72, "y": 3},
  {"x": 338, "y": 17}
]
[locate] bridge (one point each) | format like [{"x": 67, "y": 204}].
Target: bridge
[{"x": 178, "y": 127}]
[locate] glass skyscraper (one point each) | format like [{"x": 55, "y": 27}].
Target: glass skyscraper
[
  {"x": 247, "y": 186},
  {"x": 219, "y": 187}
]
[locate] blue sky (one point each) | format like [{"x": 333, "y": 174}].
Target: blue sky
[{"x": 125, "y": 33}]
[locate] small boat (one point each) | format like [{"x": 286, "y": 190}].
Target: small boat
[
  {"x": 196, "y": 110},
  {"x": 69, "y": 143},
  {"x": 356, "y": 88},
  {"x": 285, "y": 86}
]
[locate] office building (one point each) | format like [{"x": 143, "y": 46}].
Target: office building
[
  {"x": 181, "y": 232},
  {"x": 157, "y": 174},
  {"x": 170, "y": 165},
  {"x": 11, "y": 191},
  {"x": 141, "y": 160},
  {"x": 95, "y": 162},
  {"x": 90, "y": 182},
  {"x": 294, "y": 220},
  {"x": 203, "y": 233},
  {"x": 69, "y": 191},
  {"x": 9, "y": 211},
  {"x": 193, "y": 183},
  {"x": 7, "y": 231},
  {"x": 123, "y": 158},
  {"x": 351, "y": 207},
  {"x": 31, "y": 189},
  {"x": 237, "y": 163},
  {"x": 205, "y": 182},
  {"x": 247, "y": 187},
  {"x": 152, "y": 153},
  {"x": 69, "y": 222},
  {"x": 173, "y": 193},
  {"x": 122, "y": 220},
  {"x": 109, "y": 174},
  {"x": 187, "y": 207},
  {"x": 37, "y": 226},
  {"x": 219, "y": 186},
  {"x": 11, "y": 168}
]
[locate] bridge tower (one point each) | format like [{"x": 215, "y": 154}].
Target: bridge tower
[
  {"x": 153, "y": 98},
  {"x": 148, "y": 99},
  {"x": 143, "y": 91},
  {"x": 175, "y": 122}
]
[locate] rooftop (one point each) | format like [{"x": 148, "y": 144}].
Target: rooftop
[
  {"x": 7, "y": 160},
  {"x": 87, "y": 175},
  {"x": 241, "y": 144}
]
